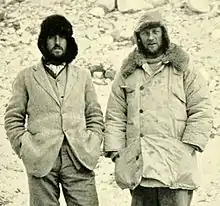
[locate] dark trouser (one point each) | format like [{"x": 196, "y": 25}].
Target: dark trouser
[
  {"x": 143, "y": 196},
  {"x": 78, "y": 185}
]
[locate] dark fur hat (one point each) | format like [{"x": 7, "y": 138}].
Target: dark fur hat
[{"x": 57, "y": 24}]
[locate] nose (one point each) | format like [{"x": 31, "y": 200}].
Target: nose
[
  {"x": 57, "y": 39},
  {"x": 150, "y": 37}
]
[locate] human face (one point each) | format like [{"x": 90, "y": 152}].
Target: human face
[
  {"x": 152, "y": 40},
  {"x": 56, "y": 45}
]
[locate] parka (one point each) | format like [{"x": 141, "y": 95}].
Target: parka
[{"x": 166, "y": 111}]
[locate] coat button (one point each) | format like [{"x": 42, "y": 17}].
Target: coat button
[
  {"x": 141, "y": 87},
  {"x": 141, "y": 134},
  {"x": 141, "y": 110}
]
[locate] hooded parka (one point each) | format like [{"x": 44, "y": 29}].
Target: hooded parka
[{"x": 168, "y": 111}]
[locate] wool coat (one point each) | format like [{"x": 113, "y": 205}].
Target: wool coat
[{"x": 36, "y": 121}]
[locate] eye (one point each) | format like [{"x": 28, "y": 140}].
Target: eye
[
  {"x": 156, "y": 31},
  {"x": 145, "y": 33},
  {"x": 50, "y": 37},
  {"x": 62, "y": 36}
]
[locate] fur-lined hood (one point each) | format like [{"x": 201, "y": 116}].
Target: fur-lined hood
[
  {"x": 150, "y": 19},
  {"x": 175, "y": 56}
]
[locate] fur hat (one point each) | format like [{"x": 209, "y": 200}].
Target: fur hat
[
  {"x": 149, "y": 20},
  {"x": 53, "y": 25}
]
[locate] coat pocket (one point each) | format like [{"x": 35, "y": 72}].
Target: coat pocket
[
  {"x": 129, "y": 166},
  {"x": 23, "y": 144},
  {"x": 188, "y": 171}
]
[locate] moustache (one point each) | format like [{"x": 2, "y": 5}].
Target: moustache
[
  {"x": 151, "y": 43},
  {"x": 57, "y": 47}
]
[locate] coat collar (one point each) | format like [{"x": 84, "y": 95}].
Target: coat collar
[
  {"x": 42, "y": 79},
  {"x": 175, "y": 56}
]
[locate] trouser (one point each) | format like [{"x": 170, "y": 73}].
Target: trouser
[
  {"x": 143, "y": 196},
  {"x": 78, "y": 185}
]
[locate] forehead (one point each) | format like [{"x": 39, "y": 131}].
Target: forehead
[
  {"x": 152, "y": 28},
  {"x": 54, "y": 35}
]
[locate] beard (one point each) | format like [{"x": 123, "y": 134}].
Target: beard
[
  {"x": 54, "y": 57},
  {"x": 152, "y": 52}
]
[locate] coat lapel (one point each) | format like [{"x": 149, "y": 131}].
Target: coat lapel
[
  {"x": 42, "y": 79},
  {"x": 71, "y": 80}
]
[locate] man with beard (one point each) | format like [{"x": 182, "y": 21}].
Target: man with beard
[
  {"x": 54, "y": 122},
  {"x": 158, "y": 116}
]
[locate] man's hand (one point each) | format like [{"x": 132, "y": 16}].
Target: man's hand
[{"x": 114, "y": 155}]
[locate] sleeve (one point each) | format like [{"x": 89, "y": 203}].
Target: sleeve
[
  {"x": 116, "y": 118},
  {"x": 93, "y": 113},
  {"x": 199, "y": 110},
  {"x": 15, "y": 115}
]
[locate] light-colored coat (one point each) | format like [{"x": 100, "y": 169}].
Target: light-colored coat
[
  {"x": 79, "y": 118},
  {"x": 163, "y": 110}
]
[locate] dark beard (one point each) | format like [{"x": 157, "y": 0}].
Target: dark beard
[{"x": 54, "y": 59}]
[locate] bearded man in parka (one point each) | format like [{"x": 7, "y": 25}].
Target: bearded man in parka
[{"x": 158, "y": 116}]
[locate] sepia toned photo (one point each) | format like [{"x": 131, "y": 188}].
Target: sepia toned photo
[{"x": 109, "y": 102}]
